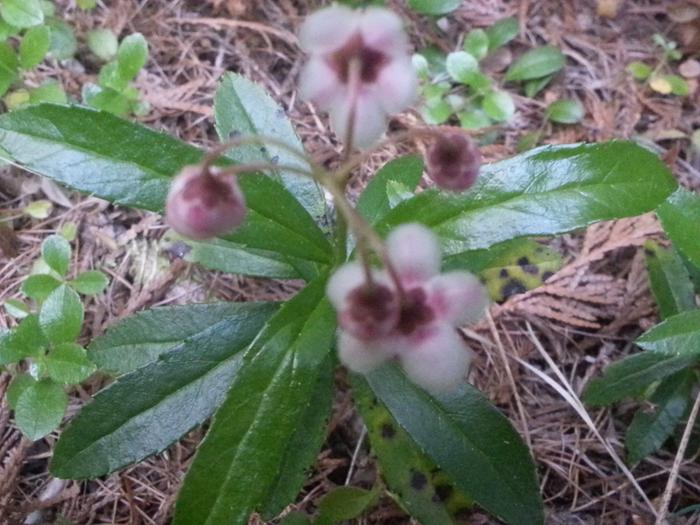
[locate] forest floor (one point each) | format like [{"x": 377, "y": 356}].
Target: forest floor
[{"x": 532, "y": 349}]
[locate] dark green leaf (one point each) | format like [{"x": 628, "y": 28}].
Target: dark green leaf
[
  {"x": 565, "y": 111},
  {"x": 669, "y": 280},
  {"x": 296, "y": 518},
  {"x": 39, "y": 408},
  {"x": 9, "y": 64},
  {"x": 34, "y": 46},
  {"x": 132, "y": 56},
  {"x": 536, "y": 63},
  {"x": 242, "y": 107},
  {"x": 68, "y": 363},
  {"x": 434, "y": 7},
  {"x": 257, "y": 428},
  {"x": 92, "y": 282},
  {"x": 680, "y": 217},
  {"x": 61, "y": 315},
  {"x": 502, "y": 32},
  {"x": 464, "y": 434},
  {"x": 26, "y": 340},
  {"x": 56, "y": 253},
  {"x": 39, "y": 286},
  {"x": 577, "y": 185},
  {"x": 22, "y": 13},
  {"x": 634, "y": 374},
  {"x": 649, "y": 430},
  {"x": 19, "y": 384},
  {"x": 679, "y": 334},
  {"x": 129, "y": 164},
  {"x": 374, "y": 201},
  {"x": 344, "y": 503},
  {"x": 418, "y": 485},
  {"x": 143, "y": 412}
]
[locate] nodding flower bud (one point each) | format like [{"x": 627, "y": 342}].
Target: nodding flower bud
[
  {"x": 454, "y": 161},
  {"x": 202, "y": 204}
]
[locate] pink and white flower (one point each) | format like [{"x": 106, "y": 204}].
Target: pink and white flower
[
  {"x": 370, "y": 45},
  {"x": 419, "y": 325}
]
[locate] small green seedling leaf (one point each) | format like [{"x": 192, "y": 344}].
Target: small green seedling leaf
[
  {"x": 499, "y": 106},
  {"x": 536, "y": 63},
  {"x": 26, "y": 340},
  {"x": 103, "y": 43},
  {"x": 434, "y": 7},
  {"x": 34, "y": 47},
  {"x": 56, "y": 251},
  {"x": 16, "y": 308},
  {"x": 533, "y": 87},
  {"x": 679, "y": 86},
  {"x": 344, "y": 503},
  {"x": 639, "y": 70},
  {"x": 87, "y": 4},
  {"x": 39, "y": 286},
  {"x": 22, "y": 13},
  {"x": 18, "y": 386},
  {"x": 68, "y": 363},
  {"x": 474, "y": 119},
  {"x": 476, "y": 43},
  {"x": 61, "y": 315},
  {"x": 92, "y": 282},
  {"x": 40, "y": 209},
  {"x": 63, "y": 42},
  {"x": 528, "y": 141},
  {"x": 132, "y": 56},
  {"x": 461, "y": 65},
  {"x": 39, "y": 408},
  {"x": 565, "y": 111},
  {"x": 436, "y": 112},
  {"x": 9, "y": 64},
  {"x": 50, "y": 91},
  {"x": 502, "y": 32}
]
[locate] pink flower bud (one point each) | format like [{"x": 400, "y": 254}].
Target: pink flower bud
[
  {"x": 454, "y": 161},
  {"x": 203, "y": 205}
]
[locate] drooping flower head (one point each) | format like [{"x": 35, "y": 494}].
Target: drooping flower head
[
  {"x": 453, "y": 161},
  {"x": 359, "y": 69},
  {"x": 419, "y": 322},
  {"x": 202, "y": 204}
]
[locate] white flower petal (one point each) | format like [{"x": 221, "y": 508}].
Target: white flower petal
[
  {"x": 397, "y": 85},
  {"x": 328, "y": 29},
  {"x": 415, "y": 252},
  {"x": 319, "y": 84},
  {"x": 342, "y": 282},
  {"x": 370, "y": 119},
  {"x": 457, "y": 297},
  {"x": 382, "y": 30},
  {"x": 440, "y": 361},
  {"x": 360, "y": 356}
]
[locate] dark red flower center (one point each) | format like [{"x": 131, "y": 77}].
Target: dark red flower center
[
  {"x": 372, "y": 304},
  {"x": 209, "y": 190},
  {"x": 371, "y": 61},
  {"x": 415, "y": 311}
]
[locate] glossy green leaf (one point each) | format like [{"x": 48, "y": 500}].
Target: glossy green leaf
[
  {"x": 373, "y": 203},
  {"x": 344, "y": 503},
  {"x": 142, "y": 413},
  {"x": 61, "y": 315},
  {"x": 92, "y": 282},
  {"x": 26, "y": 340},
  {"x": 129, "y": 164},
  {"x": 536, "y": 63},
  {"x": 509, "y": 268},
  {"x": 634, "y": 374},
  {"x": 39, "y": 408},
  {"x": 63, "y": 42},
  {"x": 476, "y": 43},
  {"x": 464, "y": 434},
  {"x": 103, "y": 43},
  {"x": 669, "y": 280},
  {"x": 56, "y": 252},
  {"x": 22, "y": 13},
  {"x": 502, "y": 32},
  {"x": 499, "y": 106},
  {"x": 258, "y": 429},
  {"x": 434, "y": 7},
  {"x": 39, "y": 286},
  {"x": 417, "y": 484},
  {"x": 461, "y": 65},
  {"x": 132, "y": 56},
  {"x": 679, "y": 334},
  {"x": 242, "y": 107},
  {"x": 639, "y": 70},
  {"x": 17, "y": 387},
  {"x": 650, "y": 429},
  {"x": 680, "y": 217},
  {"x": 565, "y": 111},
  {"x": 546, "y": 191},
  {"x": 9, "y": 64},
  {"x": 68, "y": 363},
  {"x": 34, "y": 46}
]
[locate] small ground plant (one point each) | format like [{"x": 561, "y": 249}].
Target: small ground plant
[{"x": 388, "y": 283}]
